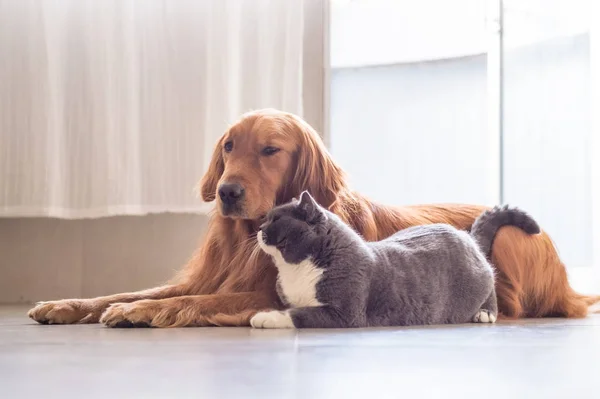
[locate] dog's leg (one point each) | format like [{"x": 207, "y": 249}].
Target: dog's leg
[
  {"x": 69, "y": 311},
  {"x": 234, "y": 309}
]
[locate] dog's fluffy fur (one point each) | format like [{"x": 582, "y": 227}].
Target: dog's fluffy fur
[{"x": 228, "y": 279}]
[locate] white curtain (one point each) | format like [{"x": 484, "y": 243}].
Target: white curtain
[{"x": 113, "y": 107}]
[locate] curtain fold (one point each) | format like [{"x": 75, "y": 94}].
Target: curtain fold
[{"x": 113, "y": 107}]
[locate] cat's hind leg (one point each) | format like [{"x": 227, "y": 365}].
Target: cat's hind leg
[
  {"x": 489, "y": 310},
  {"x": 484, "y": 316},
  {"x": 318, "y": 317}
]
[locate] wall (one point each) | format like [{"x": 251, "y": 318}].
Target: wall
[
  {"x": 43, "y": 258},
  {"x": 414, "y": 133},
  {"x": 547, "y": 140}
]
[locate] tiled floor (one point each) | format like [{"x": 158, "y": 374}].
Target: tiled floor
[{"x": 550, "y": 358}]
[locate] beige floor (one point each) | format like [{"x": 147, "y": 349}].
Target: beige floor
[{"x": 549, "y": 358}]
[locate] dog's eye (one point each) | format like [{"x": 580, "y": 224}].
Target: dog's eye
[
  {"x": 228, "y": 146},
  {"x": 268, "y": 151}
]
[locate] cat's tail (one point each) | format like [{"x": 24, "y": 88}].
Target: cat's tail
[{"x": 486, "y": 226}]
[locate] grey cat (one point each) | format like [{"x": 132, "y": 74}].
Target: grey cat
[{"x": 331, "y": 278}]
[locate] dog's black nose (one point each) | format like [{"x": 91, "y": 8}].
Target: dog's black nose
[{"x": 230, "y": 193}]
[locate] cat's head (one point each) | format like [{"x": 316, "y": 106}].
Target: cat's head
[{"x": 295, "y": 230}]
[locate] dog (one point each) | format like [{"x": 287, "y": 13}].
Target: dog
[{"x": 267, "y": 158}]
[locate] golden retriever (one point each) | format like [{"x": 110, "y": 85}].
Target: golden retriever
[{"x": 267, "y": 158}]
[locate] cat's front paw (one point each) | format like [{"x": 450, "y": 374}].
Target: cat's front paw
[
  {"x": 272, "y": 319},
  {"x": 484, "y": 316}
]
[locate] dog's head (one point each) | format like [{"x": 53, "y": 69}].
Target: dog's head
[{"x": 267, "y": 158}]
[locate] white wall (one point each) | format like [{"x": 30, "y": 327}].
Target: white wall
[
  {"x": 547, "y": 135},
  {"x": 413, "y": 133}
]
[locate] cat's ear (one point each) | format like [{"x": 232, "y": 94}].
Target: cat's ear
[{"x": 308, "y": 205}]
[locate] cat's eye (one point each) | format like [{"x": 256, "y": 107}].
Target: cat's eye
[
  {"x": 228, "y": 147},
  {"x": 269, "y": 150}
]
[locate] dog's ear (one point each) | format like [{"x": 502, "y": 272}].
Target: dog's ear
[
  {"x": 316, "y": 171},
  {"x": 208, "y": 184}
]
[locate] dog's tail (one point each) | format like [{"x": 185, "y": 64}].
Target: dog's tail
[
  {"x": 592, "y": 302},
  {"x": 486, "y": 226}
]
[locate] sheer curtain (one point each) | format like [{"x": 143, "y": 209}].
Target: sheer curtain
[{"x": 113, "y": 107}]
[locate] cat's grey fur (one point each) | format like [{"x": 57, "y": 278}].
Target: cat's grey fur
[{"x": 331, "y": 277}]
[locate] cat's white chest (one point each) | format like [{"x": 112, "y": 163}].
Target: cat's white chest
[{"x": 298, "y": 282}]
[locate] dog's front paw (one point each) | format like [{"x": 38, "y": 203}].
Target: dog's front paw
[
  {"x": 67, "y": 311},
  {"x": 127, "y": 315},
  {"x": 272, "y": 319}
]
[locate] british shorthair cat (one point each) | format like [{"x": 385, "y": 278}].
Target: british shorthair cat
[{"x": 330, "y": 277}]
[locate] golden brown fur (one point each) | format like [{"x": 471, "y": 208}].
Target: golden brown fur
[{"x": 229, "y": 279}]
